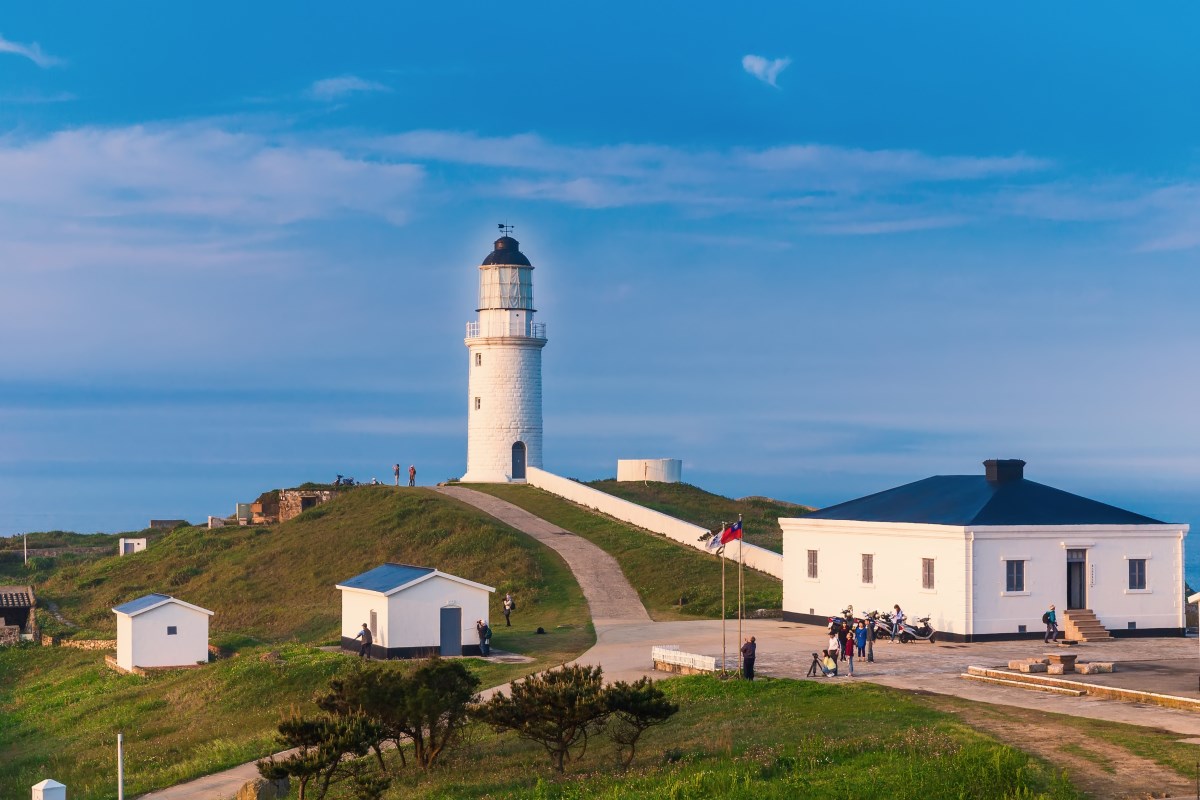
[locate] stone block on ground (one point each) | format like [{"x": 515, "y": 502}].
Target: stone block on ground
[
  {"x": 1094, "y": 668},
  {"x": 1054, "y": 669},
  {"x": 1033, "y": 666},
  {"x": 263, "y": 789}
]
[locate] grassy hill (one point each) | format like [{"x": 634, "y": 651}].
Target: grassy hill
[
  {"x": 760, "y": 515},
  {"x": 662, "y": 571},
  {"x": 273, "y": 593}
]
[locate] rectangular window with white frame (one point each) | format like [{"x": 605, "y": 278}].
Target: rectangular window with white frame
[
  {"x": 1014, "y": 575},
  {"x": 812, "y": 564},
  {"x": 868, "y": 568},
  {"x": 1137, "y": 574},
  {"x": 927, "y": 573}
]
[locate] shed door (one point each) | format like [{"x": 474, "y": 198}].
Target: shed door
[
  {"x": 518, "y": 461},
  {"x": 451, "y": 638},
  {"x": 1076, "y": 579}
]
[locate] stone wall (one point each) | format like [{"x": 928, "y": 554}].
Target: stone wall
[
  {"x": 292, "y": 501},
  {"x": 9, "y": 634},
  {"x": 79, "y": 644}
]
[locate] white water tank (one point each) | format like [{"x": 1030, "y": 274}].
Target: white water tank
[{"x": 662, "y": 470}]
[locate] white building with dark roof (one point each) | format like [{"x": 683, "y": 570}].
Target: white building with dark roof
[
  {"x": 159, "y": 631},
  {"x": 413, "y": 612},
  {"x": 984, "y": 556}
]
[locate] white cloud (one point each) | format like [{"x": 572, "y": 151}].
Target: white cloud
[
  {"x": 336, "y": 88},
  {"x": 31, "y": 51},
  {"x": 766, "y": 70},
  {"x": 195, "y": 172}
]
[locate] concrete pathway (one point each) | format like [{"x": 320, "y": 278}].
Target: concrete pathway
[{"x": 611, "y": 599}]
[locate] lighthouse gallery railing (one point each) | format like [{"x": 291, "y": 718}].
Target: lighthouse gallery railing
[{"x": 532, "y": 330}]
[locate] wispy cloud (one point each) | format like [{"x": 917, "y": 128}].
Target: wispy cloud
[
  {"x": 195, "y": 172},
  {"x": 765, "y": 69},
  {"x": 330, "y": 89},
  {"x": 31, "y": 51}
]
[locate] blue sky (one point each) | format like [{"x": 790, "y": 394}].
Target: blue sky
[{"x": 238, "y": 245}]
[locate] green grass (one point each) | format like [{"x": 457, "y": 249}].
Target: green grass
[
  {"x": 767, "y": 739},
  {"x": 60, "y": 709},
  {"x": 242, "y": 572},
  {"x": 760, "y": 515},
  {"x": 662, "y": 571}
]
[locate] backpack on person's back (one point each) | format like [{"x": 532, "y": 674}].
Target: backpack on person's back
[{"x": 1046, "y": 618}]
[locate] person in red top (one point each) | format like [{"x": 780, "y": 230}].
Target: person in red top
[{"x": 412, "y": 475}]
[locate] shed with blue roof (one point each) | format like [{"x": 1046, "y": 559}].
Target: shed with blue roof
[
  {"x": 159, "y": 631},
  {"x": 985, "y": 556},
  {"x": 412, "y": 612}
]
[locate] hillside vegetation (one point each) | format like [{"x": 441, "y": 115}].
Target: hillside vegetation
[
  {"x": 760, "y": 515},
  {"x": 766, "y": 740},
  {"x": 270, "y": 584},
  {"x": 673, "y": 581},
  {"x": 273, "y": 593}
]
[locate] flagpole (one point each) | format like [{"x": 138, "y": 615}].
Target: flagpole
[
  {"x": 721, "y": 555},
  {"x": 741, "y": 595}
]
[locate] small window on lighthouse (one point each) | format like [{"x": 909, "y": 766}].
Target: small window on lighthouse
[
  {"x": 479, "y": 359},
  {"x": 476, "y": 403}
]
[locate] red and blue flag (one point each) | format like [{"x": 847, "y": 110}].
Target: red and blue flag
[{"x": 734, "y": 531}]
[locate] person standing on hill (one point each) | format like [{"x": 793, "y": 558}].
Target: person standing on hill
[
  {"x": 396, "y": 472},
  {"x": 485, "y": 638},
  {"x": 509, "y": 606},
  {"x": 412, "y": 475},
  {"x": 364, "y": 649},
  {"x": 1051, "y": 621},
  {"x": 748, "y": 650}
]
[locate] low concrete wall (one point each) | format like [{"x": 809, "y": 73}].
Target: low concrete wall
[{"x": 677, "y": 530}]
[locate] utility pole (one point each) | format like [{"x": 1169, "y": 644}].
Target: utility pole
[
  {"x": 120, "y": 766},
  {"x": 26, "y": 537}
]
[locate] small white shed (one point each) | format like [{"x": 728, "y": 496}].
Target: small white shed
[
  {"x": 128, "y": 546},
  {"x": 49, "y": 789},
  {"x": 413, "y": 612},
  {"x": 161, "y": 631}
]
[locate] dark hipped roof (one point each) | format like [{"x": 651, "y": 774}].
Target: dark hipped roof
[
  {"x": 16, "y": 597},
  {"x": 386, "y": 577},
  {"x": 507, "y": 252},
  {"x": 974, "y": 500}
]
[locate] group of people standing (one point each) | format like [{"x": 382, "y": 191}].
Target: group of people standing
[
  {"x": 845, "y": 644},
  {"x": 412, "y": 474}
]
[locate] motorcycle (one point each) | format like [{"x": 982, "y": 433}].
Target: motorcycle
[
  {"x": 880, "y": 623},
  {"x": 922, "y": 631},
  {"x": 843, "y": 620}
]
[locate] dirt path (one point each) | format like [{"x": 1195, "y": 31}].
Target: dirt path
[
  {"x": 611, "y": 599},
  {"x": 1099, "y": 768}
]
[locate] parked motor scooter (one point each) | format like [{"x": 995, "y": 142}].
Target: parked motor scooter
[
  {"x": 922, "y": 631},
  {"x": 880, "y": 623}
]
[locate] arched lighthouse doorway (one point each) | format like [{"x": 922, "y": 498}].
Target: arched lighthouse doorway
[{"x": 518, "y": 461}]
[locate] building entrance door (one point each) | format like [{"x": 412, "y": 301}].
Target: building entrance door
[
  {"x": 518, "y": 461},
  {"x": 1076, "y": 579},
  {"x": 451, "y": 640}
]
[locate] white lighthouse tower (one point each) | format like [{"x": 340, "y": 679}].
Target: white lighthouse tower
[{"x": 504, "y": 390}]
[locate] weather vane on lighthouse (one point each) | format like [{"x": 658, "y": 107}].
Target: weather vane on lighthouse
[{"x": 505, "y": 228}]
